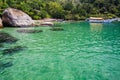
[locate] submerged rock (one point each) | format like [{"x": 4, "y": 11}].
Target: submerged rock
[
  {"x": 28, "y": 31},
  {"x": 57, "y": 29},
  {"x": 1, "y": 45},
  {"x": 16, "y": 18},
  {"x": 8, "y": 64},
  {"x": 5, "y": 65},
  {"x": 5, "y": 37},
  {"x": 1, "y": 25},
  {"x": 57, "y": 25},
  {"x": 12, "y": 50}
]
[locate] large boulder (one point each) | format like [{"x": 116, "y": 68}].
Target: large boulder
[
  {"x": 16, "y": 18},
  {"x": 1, "y": 25}
]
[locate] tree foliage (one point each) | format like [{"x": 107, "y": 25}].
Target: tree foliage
[{"x": 64, "y": 9}]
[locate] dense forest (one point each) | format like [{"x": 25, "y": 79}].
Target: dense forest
[{"x": 65, "y": 9}]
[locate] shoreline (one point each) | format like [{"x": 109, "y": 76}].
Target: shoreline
[
  {"x": 48, "y": 22},
  {"x": 51, "y": 21}
]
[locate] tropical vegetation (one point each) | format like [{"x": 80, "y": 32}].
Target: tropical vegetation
[{"x": 65, "y": 9}]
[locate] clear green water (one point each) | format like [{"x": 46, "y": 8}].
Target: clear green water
[{"x": 82, "y": 51}]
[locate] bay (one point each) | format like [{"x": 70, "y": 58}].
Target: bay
[{"x": 82, "y": 51}]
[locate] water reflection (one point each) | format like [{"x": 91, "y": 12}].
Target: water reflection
[
  {"x": 96, "y": 30},
  {"x": 96, "y": 27}
]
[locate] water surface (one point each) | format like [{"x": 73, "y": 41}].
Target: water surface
[{"x": 83, "y": 51}]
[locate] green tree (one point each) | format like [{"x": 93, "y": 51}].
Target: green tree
[
  {"x": 68, "y": 6},
  {"x": 55, "y": 10},
  {"x": 65, "y": 9}
]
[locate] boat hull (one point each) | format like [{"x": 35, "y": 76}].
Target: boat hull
[{"x": 100, "y": 21}]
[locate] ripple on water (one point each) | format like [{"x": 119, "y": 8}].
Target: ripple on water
[{"x": 81, "y": 52}]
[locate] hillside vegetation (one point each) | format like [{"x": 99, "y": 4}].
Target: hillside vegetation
[{"x": 65, "y": 9}]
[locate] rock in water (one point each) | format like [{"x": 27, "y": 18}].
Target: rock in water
[
  {"x": 4, "y": 65},
  {"x": 16, "y": 18},
  {"x": 8, "y": 64},
  {"x": 13, "y": 50},
  {"x": 1, "y": 45},
  {"x": 5, "y": 37},
  {"x": 56, "y": 29},
  {"x": 1, "y": 25},
  {"x": 28, "y": 31}
]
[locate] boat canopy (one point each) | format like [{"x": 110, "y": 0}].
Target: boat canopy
[{"x": 96, "y": 18}]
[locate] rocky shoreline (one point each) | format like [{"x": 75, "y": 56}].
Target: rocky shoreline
[{"x": 16, "y": 18}]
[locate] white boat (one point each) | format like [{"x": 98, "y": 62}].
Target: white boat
[{"x": 99, "y": 20}]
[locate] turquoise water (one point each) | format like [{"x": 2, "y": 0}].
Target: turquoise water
[{"x": 83, "y": 51}]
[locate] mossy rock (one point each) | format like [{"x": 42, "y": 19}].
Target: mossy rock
[
  {"x": 56, "y": 29},
  {"x": 5, "y": 37},
  {"x": 29, "y": 31}
]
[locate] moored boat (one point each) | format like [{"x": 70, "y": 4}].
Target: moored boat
[{"x": 99, "y": 20}]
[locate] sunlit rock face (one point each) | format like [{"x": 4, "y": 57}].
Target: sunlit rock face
[
  {"x": 1, "y": 25},
  {"x": 16, "y": 18}
]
